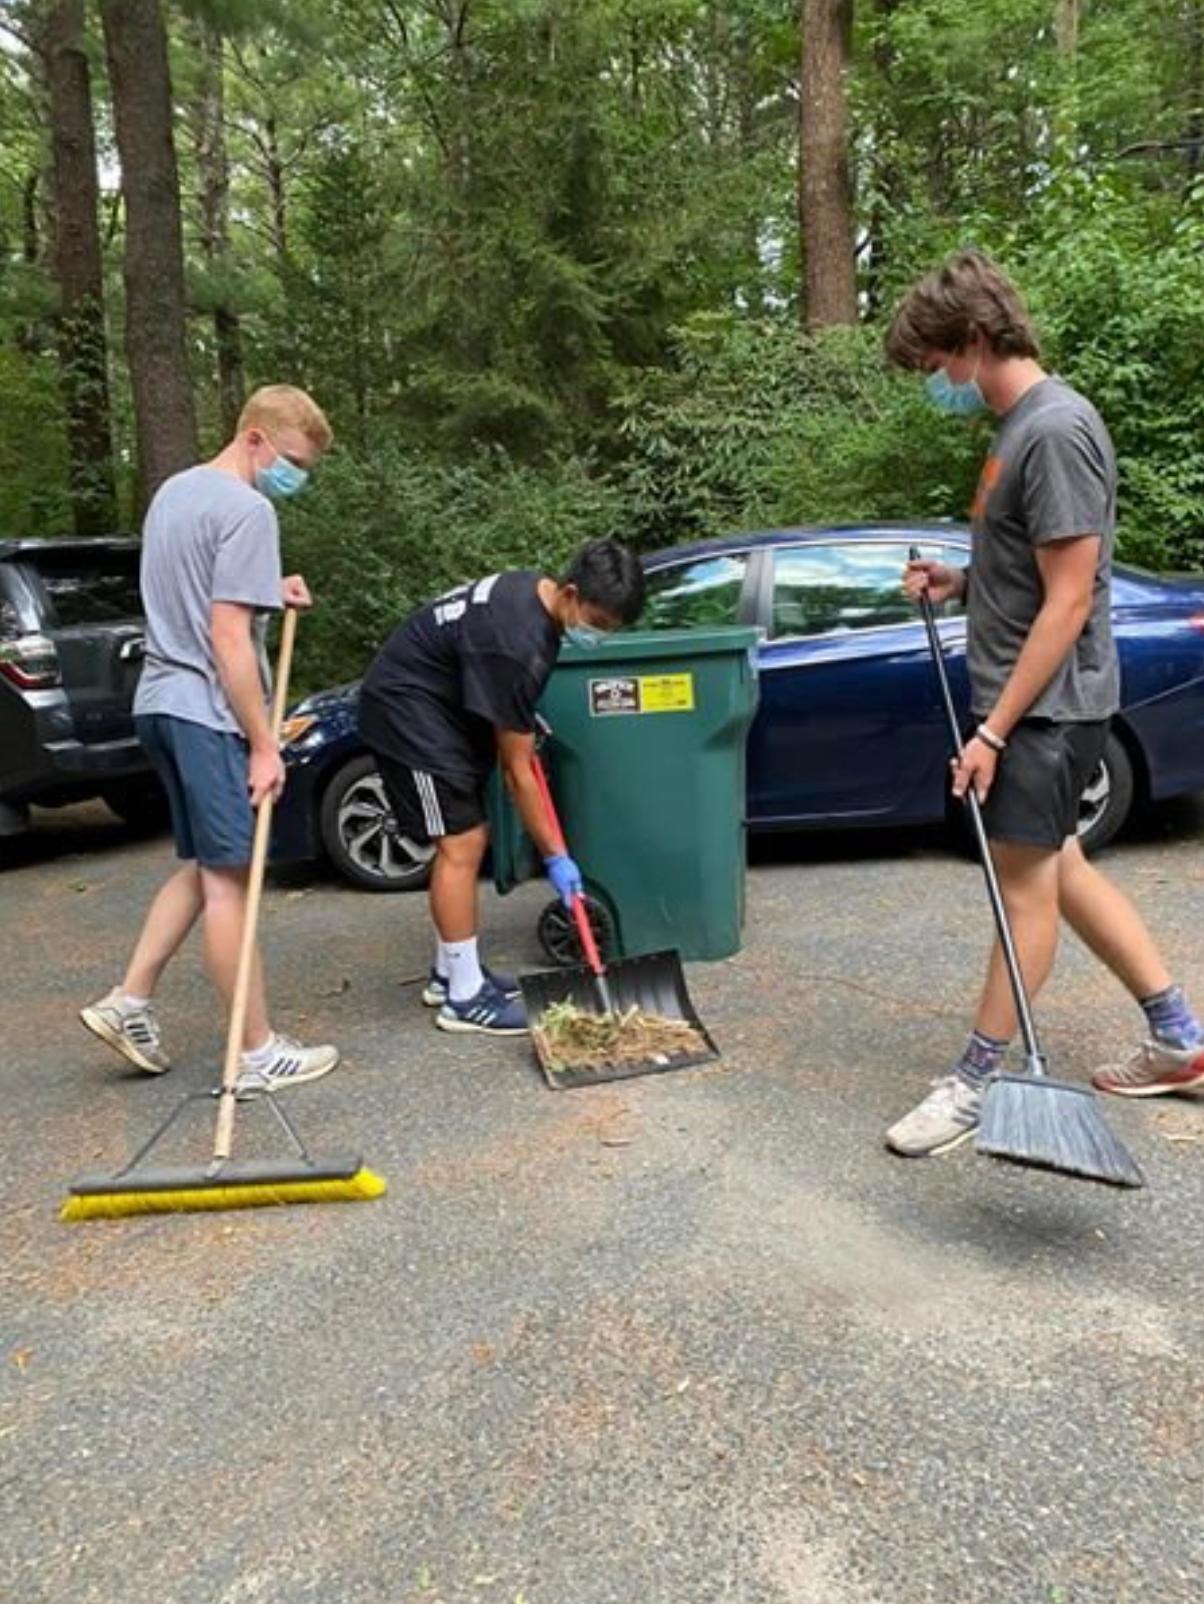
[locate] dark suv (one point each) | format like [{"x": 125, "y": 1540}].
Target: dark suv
[{"x": 71, "y": 643}]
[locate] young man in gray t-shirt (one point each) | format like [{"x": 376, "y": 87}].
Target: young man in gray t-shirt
[
  {"x": 1044, "y": 679},
  {"x": 210, "y": 575}
]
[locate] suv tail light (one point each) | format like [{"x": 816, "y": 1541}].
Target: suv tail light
[{"x": 30, "y": 662}]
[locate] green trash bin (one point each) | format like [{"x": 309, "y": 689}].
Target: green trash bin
[{"x": 646, "y": 761}]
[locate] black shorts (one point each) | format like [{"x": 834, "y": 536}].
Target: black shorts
[
  {"x": 427, "y": 806},
  {"x": 1040, "y": 780}
]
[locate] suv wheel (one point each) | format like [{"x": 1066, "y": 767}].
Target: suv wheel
[{"x": 361, "y": 835}]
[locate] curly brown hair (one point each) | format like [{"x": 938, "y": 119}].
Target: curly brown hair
[{"x": 967, "y": 294}]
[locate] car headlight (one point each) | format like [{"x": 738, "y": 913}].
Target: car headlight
[{"x": 293, "y": 729}]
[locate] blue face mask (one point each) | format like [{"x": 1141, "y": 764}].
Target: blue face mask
[
  {"x": 281, "y": 480},
  {"x": 584, "y": 635},
  {"x": 961, "y": 400}
]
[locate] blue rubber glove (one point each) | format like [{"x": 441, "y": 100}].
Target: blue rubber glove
[{"x": 565, "y": 877}]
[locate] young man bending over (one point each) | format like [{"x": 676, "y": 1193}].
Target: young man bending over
[
  {"x": 452, "y": 692},
  {"x": 210, "y": 573},
  {"x": 1044, "y": 679}
]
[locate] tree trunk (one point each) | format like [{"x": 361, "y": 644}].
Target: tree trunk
[
  {"x": 888, "y": 179},
  {"x": 1194, "y": 128},
  {"x": 213, "y": 169},
  {"x": 278, "y": 219},
  {"x": 825, "y": 197},
  {"x": 136, "y": 47},
  {"x": 83, "y": 359},
  {"x": 1066, "y": 111}
]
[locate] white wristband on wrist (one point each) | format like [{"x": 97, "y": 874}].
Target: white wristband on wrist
[{"x": 988, "y": 737}]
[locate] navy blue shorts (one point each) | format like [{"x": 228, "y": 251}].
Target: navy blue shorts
[{"x": 204, "y": 773}]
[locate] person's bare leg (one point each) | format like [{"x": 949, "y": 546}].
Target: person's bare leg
[
  {"x": 171, "y": 916},
  {"x": 454, "y": 876},
  {"x": 225, "y": 892},
  {"x": 950, "y": 1113},
  {"x": 1106, "y": 921},
  {"x": 1029, "y": 880}
]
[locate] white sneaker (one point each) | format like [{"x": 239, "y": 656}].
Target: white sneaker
[
  {"x": 290, "y": 1064},
  {"x": 132, "y": 1030},
  {"x": 947, "y": 1116}
]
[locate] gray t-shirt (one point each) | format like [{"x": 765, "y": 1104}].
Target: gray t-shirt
[
  {"x": 1050, "y": 475},
  {"x": 208, "y": 537}
]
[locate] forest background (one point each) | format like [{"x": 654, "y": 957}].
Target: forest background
[{"x": 560, "y": 268}]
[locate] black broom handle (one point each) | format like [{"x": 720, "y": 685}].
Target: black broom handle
[{"x": 1028, "y": 1028}]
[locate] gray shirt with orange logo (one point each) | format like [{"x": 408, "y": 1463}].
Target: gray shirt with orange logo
[{"x": 1051, "y": 475}]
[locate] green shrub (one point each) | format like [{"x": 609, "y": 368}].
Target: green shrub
[{"x": 382, "y": 533}]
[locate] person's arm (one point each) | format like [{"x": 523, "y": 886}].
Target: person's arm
[
  {"x": 1068, "y": 569},
  {"x": 515, "y": 750},
  {"x": 237, "y": 663}
]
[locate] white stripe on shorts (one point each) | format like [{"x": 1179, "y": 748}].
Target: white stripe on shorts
[{"x": 429, "y": 797}]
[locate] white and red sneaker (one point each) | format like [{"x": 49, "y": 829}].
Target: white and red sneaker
[{"x": 1153, "y": 1070}]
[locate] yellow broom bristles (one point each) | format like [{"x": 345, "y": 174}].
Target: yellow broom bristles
[{"x": 359, "y": 1188}]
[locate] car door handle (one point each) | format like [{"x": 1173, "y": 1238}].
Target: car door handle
[{"x": 135, "y": 647}]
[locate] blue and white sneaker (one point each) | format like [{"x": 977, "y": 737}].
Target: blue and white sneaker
[
  {"x": 490, "y": 1012},
  {"x": 435, "y": 992}
]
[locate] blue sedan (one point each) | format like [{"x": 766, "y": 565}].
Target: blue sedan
[{"x": 849, "y": 730}]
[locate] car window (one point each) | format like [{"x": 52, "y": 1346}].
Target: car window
[
  {"x": 91, "y": 593},
  {"x": 689, "y": 595},
  {"x": 826, "y": 589}
]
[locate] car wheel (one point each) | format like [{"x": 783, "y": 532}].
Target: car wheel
[
  {"x": 141, "y": 804},
  {"x": 361, "y": 835},
  {"x": 1108, "y": 798}
]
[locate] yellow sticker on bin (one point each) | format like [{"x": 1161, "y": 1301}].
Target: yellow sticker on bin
[{"x": 667, "y": 693}]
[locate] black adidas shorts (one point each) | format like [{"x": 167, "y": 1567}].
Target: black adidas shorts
[
  {"x": 1040, "y": 780},
  {"x": 427, "y": 806}
]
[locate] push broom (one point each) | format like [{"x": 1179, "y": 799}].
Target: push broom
[
  {"x": 1031, "y": 1118},
  {"x": 224, "y": 1184}
]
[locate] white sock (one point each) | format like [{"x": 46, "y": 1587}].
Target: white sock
[
  {"x": 464, "y": 977},
  {"x": 259, "y": 1057},
  {"x": 441, "y": 957},
  {"x": 131, "y": 1002}
]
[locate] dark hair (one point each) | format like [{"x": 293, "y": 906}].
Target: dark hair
[
  {"x": 608, "y": 576},
  {"x": 968, "y": 293}
]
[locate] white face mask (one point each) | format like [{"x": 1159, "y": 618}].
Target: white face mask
[{"x": 584, "y": 635}]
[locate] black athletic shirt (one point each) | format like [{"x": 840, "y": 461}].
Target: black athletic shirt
[{"x": 471, "y": 662}]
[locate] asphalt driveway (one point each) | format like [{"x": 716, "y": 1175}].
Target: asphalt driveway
[{"x": 683, "y": 1340}]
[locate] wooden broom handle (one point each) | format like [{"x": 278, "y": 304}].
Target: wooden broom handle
[{"x": 246, "y": 952}]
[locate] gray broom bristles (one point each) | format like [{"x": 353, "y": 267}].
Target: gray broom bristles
[{"x": 1055, "y": 1124}]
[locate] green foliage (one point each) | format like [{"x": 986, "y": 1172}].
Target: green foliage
[
  {"x": 759, "y": 424},
  {"x": 382, "y": 532},
  {"x": 1118, "y": 284},
  {"x": 539, "y": 262}
]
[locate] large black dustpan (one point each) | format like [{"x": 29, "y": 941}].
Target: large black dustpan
[{"x": 654, "y": 983}]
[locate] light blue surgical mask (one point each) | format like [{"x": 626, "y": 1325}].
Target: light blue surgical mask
[
  {"x": 584, "y": 635},
  {"x": 281, "y": 480},
  {"x": 961, "y": 400}
]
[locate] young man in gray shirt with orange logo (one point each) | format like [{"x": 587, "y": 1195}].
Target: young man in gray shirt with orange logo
[
  {"x": 210, "y": 575},
  {"x": 1044, "y": 680}
]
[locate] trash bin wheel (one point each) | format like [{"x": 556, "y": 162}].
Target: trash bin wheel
[{"x": 558, "y": 934}]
